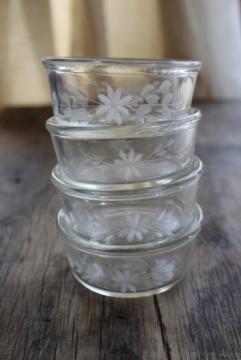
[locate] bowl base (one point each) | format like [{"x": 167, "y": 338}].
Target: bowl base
[{"x": 128, "y": 295}]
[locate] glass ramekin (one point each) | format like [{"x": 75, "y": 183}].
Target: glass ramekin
[
  {"x": 130, "y": 274},
  {"x": 138, "y": 215},
  {"x": 97, "y": 154},
  {"x": 120, "y": 91}
]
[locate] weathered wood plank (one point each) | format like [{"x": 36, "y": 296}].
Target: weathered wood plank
[
  {"x": 46, "y": 314},
  {"x": 203, "y": 314}
]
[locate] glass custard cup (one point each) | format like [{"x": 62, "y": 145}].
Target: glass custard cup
[
  {"x": 136, "y": 215},
  {"x": 120, "y": 91},
  {"x": 129, "y": 273},
  {"x": 105, "y": 154}
]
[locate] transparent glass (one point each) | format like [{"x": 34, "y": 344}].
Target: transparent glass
[
  {"x": 133, "y": 274},
  {"x": 140, "y": 217},
  {"x": 120, "y": 91},
  {"x": 139, "y": 153}
]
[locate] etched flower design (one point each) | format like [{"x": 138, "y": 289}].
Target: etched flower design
[
  {"x": 168, "y": 221},
  {"x": 171, "y": 224},
  {"x": 130, "y": 102},
  {"x": 121, "y": 225},
  {"x": 148, "y": 94},
  {"x": 141, "y": 113},
  {"x": 113, "y": 107},
  {"x": 163, "y": 148},
  {"x": 128, "y": 164},
  {"x": 93, "y": 272},
  {"x": 163, "y": 269},
  {"x": 73, "y": 102},
  {"x": 164, "y": 88},
  {"x": 89, "y": 158},
  {"x": 185, "y": 91},
  {"x": 73, "y": 105},
  {"x": 125, "y": 280},
  {"x": 72, "y": 96},
  {"x": 134, "y": 228}
]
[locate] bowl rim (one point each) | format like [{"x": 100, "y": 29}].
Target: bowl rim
[
  {"x": 128, "y": 191},
  {"x": 87, "y": 64},
  {"x": 76, "y": 130}
]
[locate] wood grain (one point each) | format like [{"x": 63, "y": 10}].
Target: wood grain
[{"x": 45, "y": 314}]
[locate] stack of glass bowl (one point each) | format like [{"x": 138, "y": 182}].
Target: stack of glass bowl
[{"x": 124, "y": 135}]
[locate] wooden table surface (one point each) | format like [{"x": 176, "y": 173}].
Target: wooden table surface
[{"x": 45, "y": 314}]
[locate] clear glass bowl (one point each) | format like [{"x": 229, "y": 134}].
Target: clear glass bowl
[
  {"x": 137, "y": 215},
  {"x": 133, "y": 273},
  {"x": 120, "y": 91},
  {"x": 97, "y": 154}
]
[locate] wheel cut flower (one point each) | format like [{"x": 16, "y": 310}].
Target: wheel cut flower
[
  {"x": 124, "y": 280},
  {"x": 128, "y": 164},
  {"x": 134, "y": 228},
  {"x": 113, "y": 107}
]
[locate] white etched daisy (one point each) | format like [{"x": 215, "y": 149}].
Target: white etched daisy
[
  {"x": 134, "y": 228},
  {"x": 124, "y": 280},
  {"x": 169, "y": 221},
  {"x": 163, "y": 269},
  {"x": 113, "y": 106},
  {"x": 128, "y": 164}
]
